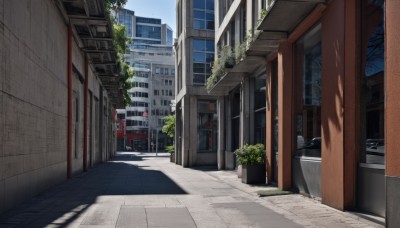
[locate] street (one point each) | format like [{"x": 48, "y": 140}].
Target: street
[{"x": 141, "y": 190}]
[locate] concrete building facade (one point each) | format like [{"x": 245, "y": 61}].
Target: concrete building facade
[
  {"x": 196, "y": 110},
  {"x": 330, "y": 118},
  {"x": 151, "y": 57},
  {"x": 56, "y": 108}
]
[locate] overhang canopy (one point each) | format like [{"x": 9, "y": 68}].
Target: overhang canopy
[
  {"x": 285, "y": 15},
  {"x": 94, "y": 34},
  {"x": 234, "y": 75}
]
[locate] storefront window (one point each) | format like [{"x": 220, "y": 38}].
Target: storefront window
[
  {"x": 207, "y": 126},
  {"x": 235, "y": 110},
  {"x": 308, "y": 109},
  {"x": 259, "y": 109},
  {"x": 372, "y": 88}
]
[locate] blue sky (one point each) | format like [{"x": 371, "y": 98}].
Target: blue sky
[{"x": 163, "y": 9}]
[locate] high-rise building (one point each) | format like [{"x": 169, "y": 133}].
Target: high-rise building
[
  {"x": 196, "y": 110},
  {"x": 151, "y": 57},
  {"x": 144, "y": 30}
]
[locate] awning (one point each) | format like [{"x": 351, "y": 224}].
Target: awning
[
  {"x": 94, "y": 34},
  {"x": 234, "y": 75},
  {"x": 285, "y": 15}
]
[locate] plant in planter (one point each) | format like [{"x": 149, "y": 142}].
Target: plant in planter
[
  {"x": 171, "y": 150},
  {"x": 169, "y": 129},
  {"x": 252, "y": 159}
]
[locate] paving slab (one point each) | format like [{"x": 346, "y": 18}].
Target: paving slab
[
  {"x": 131, "y": 216},
  {"x": 169, "y": 217}
]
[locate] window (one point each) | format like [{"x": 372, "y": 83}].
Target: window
[
  {"x": 162, "y": 70},
  {"x": 162, "y": 92},
  {"x": 140, "y": 84},
  {"x": 170, "y": 93},
  {"x": 158, "y": 70},
  {"x": 203, "y": 56},
  {"x": 173, "y": 71},
  {"x": 148, "y": 31},
  {"x": 259, "y": 109},
  {"x": 121, "y": 116},
  {"x": 170, "y": 82},
  {"x": 156, "y": 92},
  {"x": 308, "y": 109},
  {"x": 207, "y": 122},
  {"x": 139, "y": 104},
  {"x": 203, "y": 11},
  {"x": 166, "y": 71},
  {"x": 154, "y": 102},
  {"x": 372, "y": 94},
  {"x": 140, "y": 94}
]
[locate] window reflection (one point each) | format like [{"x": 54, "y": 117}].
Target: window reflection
[
  {"x": 203, "y": 56},
  {"x": 372, "y": 89},
  {"x": 308, "y": 111},
  {"x": 203, "y": 14},
  {"x": 207, "y": 126}
]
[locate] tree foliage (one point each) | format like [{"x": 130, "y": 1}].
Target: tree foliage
[
  {"x": 121, "y": 43},
  {"x": 169, "y": 125}
]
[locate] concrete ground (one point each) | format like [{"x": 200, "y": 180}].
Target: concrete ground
[{"x": 142, "y": 190}]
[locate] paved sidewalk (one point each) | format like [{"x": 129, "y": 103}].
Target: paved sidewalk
[{"x": 142, "y": 190}]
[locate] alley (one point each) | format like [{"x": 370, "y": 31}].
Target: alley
[{"x": 142, "y": 190}]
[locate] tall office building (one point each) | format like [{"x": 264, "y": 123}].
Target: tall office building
[
  {"x": 151, "y": 57},
  {"x": 196, "y": 110}
]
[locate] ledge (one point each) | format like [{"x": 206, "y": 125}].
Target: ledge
[{"x": 285, "y": 15}]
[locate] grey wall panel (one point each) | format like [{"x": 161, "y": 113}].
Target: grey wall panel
[
  {"x": 371, "y": 190},
  {"x": 392, "y": 202},
  {"x": 307, "y": 175}
]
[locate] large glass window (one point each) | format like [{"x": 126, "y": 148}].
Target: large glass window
[
  {"x": 203, "y": 14},
  {"x": 203, "y": 56},
  {"x": 259, "y": 109},
  {"x": 372, "y": 88},
  {"x": 146, "y": 31},
  {"x": 308, "y": 109},
  {"x": 207, "y": 126}
]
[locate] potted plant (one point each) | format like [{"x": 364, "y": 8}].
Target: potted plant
[
  {"x": 252, "y": 159},
  {"x": 171, "y": 151}
]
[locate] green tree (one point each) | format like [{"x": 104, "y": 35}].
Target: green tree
[{"x": 169, "y": 125}]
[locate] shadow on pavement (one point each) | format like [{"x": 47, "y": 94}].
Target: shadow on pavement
[{"x": 64, "y": 203}]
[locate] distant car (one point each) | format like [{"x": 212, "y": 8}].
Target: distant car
[
  {"x": 375, "y": 146},
  {"x": 311, "y": 149},
  {"x": 314, "y": 143}
]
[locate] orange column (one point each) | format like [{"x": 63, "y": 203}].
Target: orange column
[
  {"x": 392, "y": 70},
  {"x": 69, "y": 123},
  {"x": 285, "y": 115},
  {"x": 85, "y": 116},
  {"x": 339, "y": 104},
  {"x": 269, "y": 122}
]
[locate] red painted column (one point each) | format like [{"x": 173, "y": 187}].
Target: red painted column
[
  {"x": 85, "y": 116},
  {"x": 269, "y": 122},
  {"x": 285, "y": 115},
  {"x": 69, "y": 123}
]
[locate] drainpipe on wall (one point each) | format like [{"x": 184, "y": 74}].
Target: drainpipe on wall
[
  {"x": 69, "y": 82},
  {"x": 85, "y": 116}
]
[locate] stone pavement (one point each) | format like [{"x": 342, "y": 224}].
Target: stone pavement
[{"x": 142, "y": 190}]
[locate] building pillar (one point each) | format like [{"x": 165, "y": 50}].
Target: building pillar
[
  {"x": 244, "y": 111},
  {"x": 392, "y": 131},
  {"x": 285, "y": 115},
  {"x": 192, "y": 131},
  {"x": 229, "y": 156},
  {"x": 221, "y": 132},
  {"x": 339, "y": 104},
  {"x": 269, "y": 122},
  {"x": 185, "y": 131}
]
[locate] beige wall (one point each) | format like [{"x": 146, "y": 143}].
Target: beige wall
[{"x": 33, "y": 99}]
